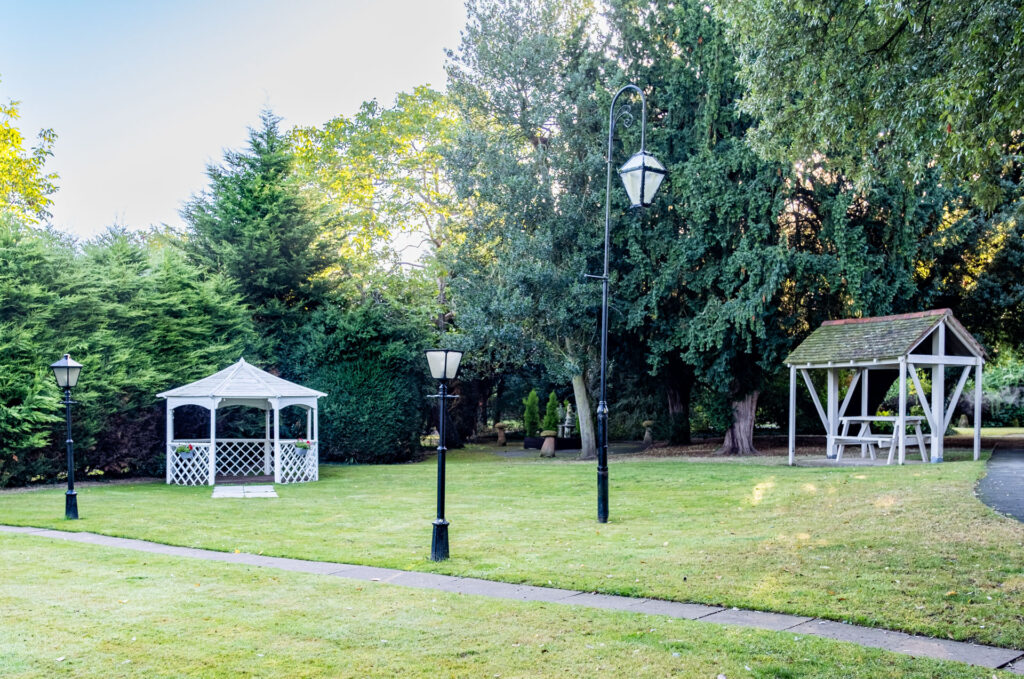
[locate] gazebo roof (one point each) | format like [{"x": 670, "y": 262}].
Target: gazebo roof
[
  {"x": 242, "y": 381},
  {"x": 877, "y": 338}
]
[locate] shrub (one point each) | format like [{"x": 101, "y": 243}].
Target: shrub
[
  {"x": 134, "y": 313},
  {"x": 531, "y": 413},
  {"x": 369, "y": 360},
  {"x": 551, "y": 414}
]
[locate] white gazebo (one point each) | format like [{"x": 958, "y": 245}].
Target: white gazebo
[
  {"x": 243, "y": 384},
  {"x": 874, "y": 353}
]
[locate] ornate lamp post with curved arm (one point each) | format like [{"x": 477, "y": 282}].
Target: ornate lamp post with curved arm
[{"x": 642, "y": 174}]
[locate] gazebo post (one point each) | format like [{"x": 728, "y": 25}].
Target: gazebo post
[
  {"x": 213, "y": 443},
  {"x": 316, "y": 443},
  {"x": 977, "y": 409},
  {"x": 900, "y": 430},
  {"x": 309, "y": 424},
  {"x": 938, "y": 393},
  {"x": 266, "y": 444},
  {"x": 792, "y": 414},
  {"x": 169, "y": 439},
  {"x": 277, "y": 442}
]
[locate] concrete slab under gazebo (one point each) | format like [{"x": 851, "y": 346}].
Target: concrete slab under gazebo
[
  {"x": 243, "y": 384},
  {"x": 875, "y": 352}
]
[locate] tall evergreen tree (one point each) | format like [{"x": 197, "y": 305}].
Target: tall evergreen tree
[
  {"x": 255, "y": 225},
  {"x": 704, "y": 275}
]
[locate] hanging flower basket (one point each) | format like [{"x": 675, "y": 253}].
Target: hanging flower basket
[
  {"x": 185, "y": 451},
  {"x": 302, "y": 446}
]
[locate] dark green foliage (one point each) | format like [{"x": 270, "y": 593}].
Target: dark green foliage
[
  {"x": 531, "y": 413},
  {"x": 551, "y": 413},
  {"x": 255, "y": 226},
  {"x": 369, "y": 360},
  {"x": 135, "y": 314}
]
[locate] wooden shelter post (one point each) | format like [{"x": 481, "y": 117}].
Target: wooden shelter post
[
  {"x": 900, "y": 427},
  {"x": 938, "y": 394},
  {"x": 864, "y": 404},
  {"x": 977, "y": 410},
  {"x": 792, "y": 414},
  {"x": 833, "y": 413}
]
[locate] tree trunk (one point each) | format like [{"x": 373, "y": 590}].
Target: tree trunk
[
  {"x": 678, "y": 390},
  {"x": 739, "y": 438},
  {"x": 499, "y": 391},
  {"x": 482, "y": 396},
  {"x": 588, "y": 449}
]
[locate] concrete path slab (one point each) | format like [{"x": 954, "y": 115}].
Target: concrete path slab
[
  {"x": 244, "y": 491},
  {"x": 898, "y": 642},
  {"x": 605, "y": 601},
  {"x": 907, "y": 644},
  {"x": 676, "y": 609},
  {"x": 758, "y": 619},
  {"x": 1002, "y": 488}
]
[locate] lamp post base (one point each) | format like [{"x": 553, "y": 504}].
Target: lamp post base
[
  {"x": 602, "y": 496},
  {"x": 71, "y": 505},
  {"x": 439, "y": 545}
]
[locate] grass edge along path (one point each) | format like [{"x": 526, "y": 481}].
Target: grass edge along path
[
  {"x": 907, "y": 549},
  {"x": 121, "y": 581}
]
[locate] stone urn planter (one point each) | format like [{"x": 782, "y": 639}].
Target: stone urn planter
[
  {"x": 648, "y": 436},
  {"x": 548, "y": 448},
  {"x": 500, "y": 428}
]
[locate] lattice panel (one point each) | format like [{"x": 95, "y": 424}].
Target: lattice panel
[
  {"x": 298, "y": 465},
  {"x": 193, "y": 471},
  {"x": 240, "y": 457}
]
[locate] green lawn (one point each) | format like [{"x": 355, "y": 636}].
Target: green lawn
[
  {"x": 73, "y": 610},
  {"x": 904, "y": 548}
]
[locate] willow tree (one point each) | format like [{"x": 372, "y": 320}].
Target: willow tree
[{"x": 888, "y": 86}]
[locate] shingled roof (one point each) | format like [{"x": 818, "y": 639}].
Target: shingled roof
[{"x": 881, "y": 338}]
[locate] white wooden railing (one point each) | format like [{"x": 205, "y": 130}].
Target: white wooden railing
[{"x": 240, "y": 457}]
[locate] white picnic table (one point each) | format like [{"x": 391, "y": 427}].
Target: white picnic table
[{"x": 870, "y": 441}]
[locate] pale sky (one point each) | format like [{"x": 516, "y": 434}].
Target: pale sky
[{"x": 144, "y": 94}]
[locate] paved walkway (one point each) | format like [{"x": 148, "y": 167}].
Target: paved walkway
[
  {"x": 973, "y": 654},
  {"x": 1002, "y": 489}
]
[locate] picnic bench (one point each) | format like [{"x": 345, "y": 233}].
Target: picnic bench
[{"x": 870, "y": 441}]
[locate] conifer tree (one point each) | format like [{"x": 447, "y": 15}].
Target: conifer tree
[{"x": 254, "y": 225}]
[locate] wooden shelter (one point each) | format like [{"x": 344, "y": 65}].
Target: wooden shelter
[
  {"x": 201, "y": 460},
  {"x": 865, "y": 356}
]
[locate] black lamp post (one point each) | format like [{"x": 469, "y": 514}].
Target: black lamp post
[
  {"x": 66, "y": 371},
  {"x": 642, "y": 174},
  {"x": 444, "y": 366}
]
